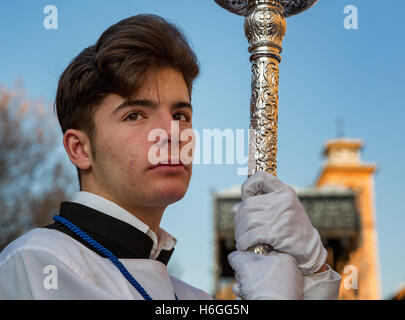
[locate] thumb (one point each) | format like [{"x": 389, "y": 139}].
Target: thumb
[
  {"x": 235, "y": 208},
  {"x": 260, "y": 181}
]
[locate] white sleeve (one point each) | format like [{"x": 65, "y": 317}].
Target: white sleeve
[
  {"x": 14, "y": 282},
  {"x": 185, "y": 291},
  {"x": 322, "y": 286},
  {"x": 38, "y": 274}
]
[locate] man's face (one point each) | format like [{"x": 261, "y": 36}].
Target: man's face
[{"x": 122, "y": 167}]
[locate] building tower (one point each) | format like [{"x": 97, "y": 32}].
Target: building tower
[{"x": 343, "y": 167}]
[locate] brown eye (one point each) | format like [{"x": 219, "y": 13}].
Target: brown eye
[
  {"x": 133, "y": 116},
  {"x": 181, "y": 116}
]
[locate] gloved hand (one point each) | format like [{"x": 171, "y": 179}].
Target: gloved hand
[
  {"x": 272, "y": 277},
  {"x": 277, "y": 218}
]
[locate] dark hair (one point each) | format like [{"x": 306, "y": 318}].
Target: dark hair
[{"x": 118, "y": 63}]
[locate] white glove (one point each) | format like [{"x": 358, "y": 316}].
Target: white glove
[
  {"x": 272, "y": 277},
  {"x": 322, "y": 286},
  {"x": 277, "y": 218}
]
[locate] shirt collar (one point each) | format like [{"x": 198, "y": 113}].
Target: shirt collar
[
  {"x": 126, "y": 240},
  {"x": 163, "y": 240},
  {"x": 110, "y": 208}
]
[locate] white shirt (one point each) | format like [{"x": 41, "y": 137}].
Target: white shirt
[{"x": 49, "y": 264}]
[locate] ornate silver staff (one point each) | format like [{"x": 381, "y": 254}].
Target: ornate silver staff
[{"x": 265, "y": 27}]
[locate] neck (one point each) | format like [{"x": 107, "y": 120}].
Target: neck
[{"x": 151, "y": 216}]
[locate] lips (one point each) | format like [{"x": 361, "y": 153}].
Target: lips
[{"x": 171, "y": 163}]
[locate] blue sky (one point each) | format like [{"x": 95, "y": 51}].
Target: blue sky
[{"x": 327, "y": 72}]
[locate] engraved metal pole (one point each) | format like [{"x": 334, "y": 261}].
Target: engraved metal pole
[{"x": 265, "y": 27}]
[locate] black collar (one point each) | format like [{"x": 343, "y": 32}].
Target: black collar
[{"x": 122, "y": 239}]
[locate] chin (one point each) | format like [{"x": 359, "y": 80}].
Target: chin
[{"x": 172, "y": 193}]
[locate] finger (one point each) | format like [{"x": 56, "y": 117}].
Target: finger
[
  {"x": 236, "y": 289},
  {"x": 260, "y": 182},
  {"x": 235, "y": 208}
]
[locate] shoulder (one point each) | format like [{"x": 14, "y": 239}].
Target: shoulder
[
  {"x": 41, "y": 242},
  {"x": 36, "y": 239},
  {"x": 23, "y": 242},
  {"x": 185, "y": 291},
  {"x": 45, "y": 259},
  {"x": 22, "y": 263}
]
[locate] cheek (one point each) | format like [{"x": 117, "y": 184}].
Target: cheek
[
  {"x": 104, "y": 147},
  {"x": 126, "y": 148},
  {"x": 115, "y": 149},
  {"x": 136, "y": 150},
  {"x": 133, "y": 162}
]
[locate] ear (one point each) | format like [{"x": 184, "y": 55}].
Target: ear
[{"x": 78, "y": 148}]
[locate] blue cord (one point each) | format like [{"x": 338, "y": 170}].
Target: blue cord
[{"x": 108, "y": 254}]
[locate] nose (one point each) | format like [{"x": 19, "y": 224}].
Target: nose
[{"x": 166, "y": 123}]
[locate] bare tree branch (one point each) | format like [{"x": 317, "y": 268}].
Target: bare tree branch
[{"x": 34, "y": 178}]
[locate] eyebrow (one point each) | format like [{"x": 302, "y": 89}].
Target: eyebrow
[{"x": 148, "y": 103}]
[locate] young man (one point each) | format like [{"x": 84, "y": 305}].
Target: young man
[{"x": 106, "y": 242}]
